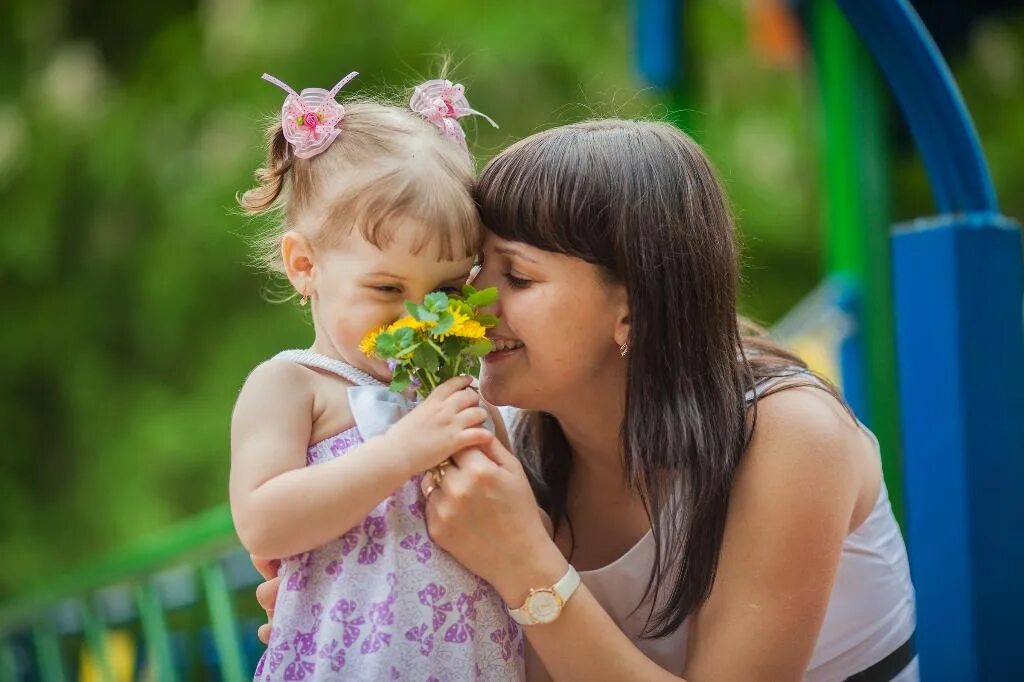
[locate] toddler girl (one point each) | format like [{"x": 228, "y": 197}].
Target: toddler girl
[{"x": 375, "y": 209}]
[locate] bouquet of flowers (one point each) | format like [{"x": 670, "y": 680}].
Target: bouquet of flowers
[{"x": 439, "y": 339}]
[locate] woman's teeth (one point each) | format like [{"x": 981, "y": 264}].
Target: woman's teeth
[{"x": 505, "y": 344}]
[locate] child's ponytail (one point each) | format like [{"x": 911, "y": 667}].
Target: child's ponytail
[{"x": 272, "y": 177}]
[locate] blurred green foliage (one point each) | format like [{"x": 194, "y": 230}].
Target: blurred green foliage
[{"x": 131, "y": 314}]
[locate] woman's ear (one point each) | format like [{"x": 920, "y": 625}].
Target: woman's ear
[
  {"x": 621, "y": 308},
  {"x": 299, "y": 262}
]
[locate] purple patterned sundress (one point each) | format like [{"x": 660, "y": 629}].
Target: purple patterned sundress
[{"x": 383, "y": 602}]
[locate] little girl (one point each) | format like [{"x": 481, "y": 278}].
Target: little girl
[{"x": 375, "y": 210}]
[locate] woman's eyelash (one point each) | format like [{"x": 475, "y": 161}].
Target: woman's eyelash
[{"x": 516, "y": 282}]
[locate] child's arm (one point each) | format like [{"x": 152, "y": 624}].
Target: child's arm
[{"x": 281, "y": 507}]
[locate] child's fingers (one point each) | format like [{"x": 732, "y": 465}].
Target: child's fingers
[
  {"x": 472, "y": 416},
  {"x": 476, "y": 437},
  {"x": 464, "y": 399},
  {"x": 451, "y": 386},
  {"x": 264, "y": 633}
]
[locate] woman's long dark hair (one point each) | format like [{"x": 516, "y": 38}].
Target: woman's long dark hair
[{"x": 641, "y": 201}]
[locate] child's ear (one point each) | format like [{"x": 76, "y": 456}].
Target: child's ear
[{"x": 299, "y": 262}]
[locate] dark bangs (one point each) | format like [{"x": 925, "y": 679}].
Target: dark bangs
[{"x": 552, "y": 192}]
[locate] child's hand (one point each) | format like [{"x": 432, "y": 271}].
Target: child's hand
[{"x": 449, "y": 420}]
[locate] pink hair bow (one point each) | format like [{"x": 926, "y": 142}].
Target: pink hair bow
[
  {"x": 443, "y": 104},
  {"x": 309, "y": 120}
]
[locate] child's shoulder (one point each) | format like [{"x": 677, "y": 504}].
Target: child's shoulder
[
  {"x": 278, "y": 374},
  {"x": 288, "y": 385}
]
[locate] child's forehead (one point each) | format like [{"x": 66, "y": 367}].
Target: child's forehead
[{"x": 405, "y": 254}]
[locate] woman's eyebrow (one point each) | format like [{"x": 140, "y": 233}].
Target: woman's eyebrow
[{"x": 513, "y": 251}]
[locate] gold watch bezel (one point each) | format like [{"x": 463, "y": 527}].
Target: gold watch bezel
[{"x": 543, "y": 590}]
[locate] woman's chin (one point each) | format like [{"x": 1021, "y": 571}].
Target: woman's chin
[{"x": 491, "y": 388}]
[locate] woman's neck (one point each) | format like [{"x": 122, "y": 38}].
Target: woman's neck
[{"x": 592, "y": 424}]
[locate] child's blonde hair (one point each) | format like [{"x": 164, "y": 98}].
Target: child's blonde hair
[{"x": 387, "y": 165}]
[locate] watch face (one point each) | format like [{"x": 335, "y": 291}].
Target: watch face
[{"x": 544, "y": 606}]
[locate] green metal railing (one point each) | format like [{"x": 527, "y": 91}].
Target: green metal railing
[{"x": 74, "y": 613}]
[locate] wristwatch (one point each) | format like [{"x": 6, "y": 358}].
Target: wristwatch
[{"x": 545, "y": 604}]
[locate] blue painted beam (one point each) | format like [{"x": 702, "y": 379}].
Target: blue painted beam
[
  {"x": 958, "y": 292},
  {"x": 958, "y": 287}
]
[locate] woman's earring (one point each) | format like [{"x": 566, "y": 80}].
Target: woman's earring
[{"x": 624, "y": 349}]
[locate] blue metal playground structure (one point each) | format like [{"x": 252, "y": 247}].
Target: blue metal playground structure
[{"x": 930, "y": 354}]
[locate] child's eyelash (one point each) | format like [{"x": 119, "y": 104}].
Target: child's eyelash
[{"x": 388, "y": 289}]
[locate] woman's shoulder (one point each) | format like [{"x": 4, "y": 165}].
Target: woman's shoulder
[{"x": 803, "y": 433}]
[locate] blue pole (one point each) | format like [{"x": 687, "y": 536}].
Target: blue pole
[
  {"x": 958, "y": 289},
  {"x": 658, "y": 41}
]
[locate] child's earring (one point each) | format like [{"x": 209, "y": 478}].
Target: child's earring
[
  {"x": 305, "y": 298},
  {"x": 624, "y": 349}
]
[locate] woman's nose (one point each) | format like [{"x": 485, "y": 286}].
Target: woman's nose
[{"x": 485, "y": 279}]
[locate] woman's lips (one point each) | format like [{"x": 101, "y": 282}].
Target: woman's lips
[{"x": 503, "y": 348}]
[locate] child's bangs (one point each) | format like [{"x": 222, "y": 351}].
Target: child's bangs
[{"x": 441, "y": 209}]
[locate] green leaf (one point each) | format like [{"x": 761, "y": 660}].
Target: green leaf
[
  {"x": 436, "y": 302},
  {"x": 406, "y": 352},
  {"x": 443, "y": 324},
  {"x": 399, "y": 384},
  {"x": 480, "y": 348},
  {"x": 425, "y": 315},
  {"x": 452, "y": 346},
  {"x": 387, "y": 345},
  {"x": 488, "y": 320},
  {"x": 483, "y": 298},
  {"x": 405, "y": 337},
  {"x": 468, "y": 290},
  {"x": 414, "y": 310},
  {"x": 426, "y": 358}
]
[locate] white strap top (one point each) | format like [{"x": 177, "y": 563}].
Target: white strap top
[{"x": 870, "y": 612}]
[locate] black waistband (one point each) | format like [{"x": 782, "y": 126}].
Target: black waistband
[{"x": 890, "y": 666}]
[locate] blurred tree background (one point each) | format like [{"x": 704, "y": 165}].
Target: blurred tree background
[{"x": 131, "y": 314}]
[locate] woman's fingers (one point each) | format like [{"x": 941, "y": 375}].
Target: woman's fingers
[
  {"x": 500, "y": 455},
  {"x": 267, "y": 567},
  {"x": 266, "y": 594}
]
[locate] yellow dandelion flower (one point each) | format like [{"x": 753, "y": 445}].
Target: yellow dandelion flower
[
  {"x": 469, "y": 329},
  {"x": 368, "y": 346},
  {"x": 409, "y": 322}
]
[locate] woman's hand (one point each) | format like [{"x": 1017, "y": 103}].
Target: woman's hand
[
  {"x": 484, "y": 514},
  {"x": 266, "y": 592}
]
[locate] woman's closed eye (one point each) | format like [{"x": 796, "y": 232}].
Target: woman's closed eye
[{"x": 517, "y": 282}]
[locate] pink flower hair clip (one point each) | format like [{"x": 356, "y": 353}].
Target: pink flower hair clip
[
  {"x": 309, "y": 120},
  {"x": 443, "y": 104}
]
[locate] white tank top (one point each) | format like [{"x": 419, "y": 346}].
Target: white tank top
[{"x": 870, "y": 612}]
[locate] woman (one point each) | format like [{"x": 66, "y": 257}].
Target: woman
[{"x": 724, "y": 509}]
